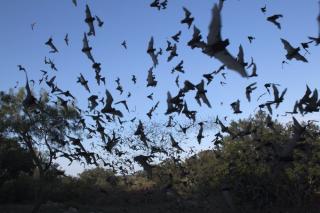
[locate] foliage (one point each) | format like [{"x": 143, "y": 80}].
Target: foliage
[
  {"x": 41, "y": 129},
  {"x": 14, "y": 160},
  {"x": 249, "y": 166}
]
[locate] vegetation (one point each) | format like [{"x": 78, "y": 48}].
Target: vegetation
[
  {"x": 249, "y": 170},
  {"x": 255, "y": 164},
  {"x": 39, "y": 134}
]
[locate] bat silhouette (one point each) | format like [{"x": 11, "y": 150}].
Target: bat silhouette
[
  {"x": 216, "y": 47},
  {"x": 51, "y": 45},
  {"x": 89, "y": 20},
  {"x": 273, "y": 19},
  {"x": 108, "y": 107},
  {"x": 187, "y": 19},
  {"x": 292, "y": 52},
  {"x": 86, "y": 49},
  {"x": 151, "y": 51}
]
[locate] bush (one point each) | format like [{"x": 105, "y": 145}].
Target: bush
[{"x": 251, "y": 167}]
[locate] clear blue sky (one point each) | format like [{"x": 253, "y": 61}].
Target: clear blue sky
[{"x": 136, "y": 22}]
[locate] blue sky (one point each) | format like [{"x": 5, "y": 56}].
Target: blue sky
[{"x": 136, "y": 22}]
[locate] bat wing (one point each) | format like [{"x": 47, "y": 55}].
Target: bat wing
[
  {"x": 300, "y": 57},
  {"x": 231, "y": 63},
  {"x": 150, "y": 45},
  {"x": 248, "y": 95},
  {"x": 277, "y": 24},
  {"x": 241, "y": 55},
  {"x": 275, "y": 92},
  {"x": 198, "y": 99},
  {"x": 287, "y": 45},
  {"x": 283, "y": 93},
  {"x": 186, "y": 12},
  {"x": 92, "y": 30},
  {"x": 215, "y": 26},
  {"x": 85, "y": 42},
  {"x": 109, "y": 100},
  {"x": 88, "y": 12},
  {"x": 205, "y": 100},
  {"x": 154, "y": 59}
]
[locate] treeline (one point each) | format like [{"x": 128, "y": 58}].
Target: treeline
[{"x": 244, "y": 171}]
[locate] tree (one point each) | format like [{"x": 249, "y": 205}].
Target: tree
[
  {"x": 44, "y": 129},
  {"x": 250, "y": 164},
  {"x": 14, "y": 160}
]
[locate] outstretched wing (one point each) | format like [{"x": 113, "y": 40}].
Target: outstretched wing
[
  {"x": 277, "y": 24},
  {"x": 287, "y": 45},
  {"x": 85, "y": 42},
  {"x": 241, "y": 55},
  {"x": 215, "y": 26},
  {"x": 231, "y": 63},
  {"x": 186, "y": 12},
  {"x": 88, "y": 12},
  {"x": 150, "y": 44},
  {"x": 205, "y": 100},
  {"x": 275, "y": 92},
  {"x": 300, "y": 57},
  {"x": 109, "y": 100}
]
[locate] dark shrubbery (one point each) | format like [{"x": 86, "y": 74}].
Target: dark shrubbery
[{"x": 251, "y": 167}]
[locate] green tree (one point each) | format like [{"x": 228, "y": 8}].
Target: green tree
[
  {"x": 14, "y": 160},
  {"x": 43, "y": 129},
  {"x": 253, "y": 164}
]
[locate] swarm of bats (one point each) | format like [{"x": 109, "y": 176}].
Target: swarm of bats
[{"x": 104, "y": 110}]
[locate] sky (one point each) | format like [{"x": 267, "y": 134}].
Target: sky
[{"x": 136, "y": 22}]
